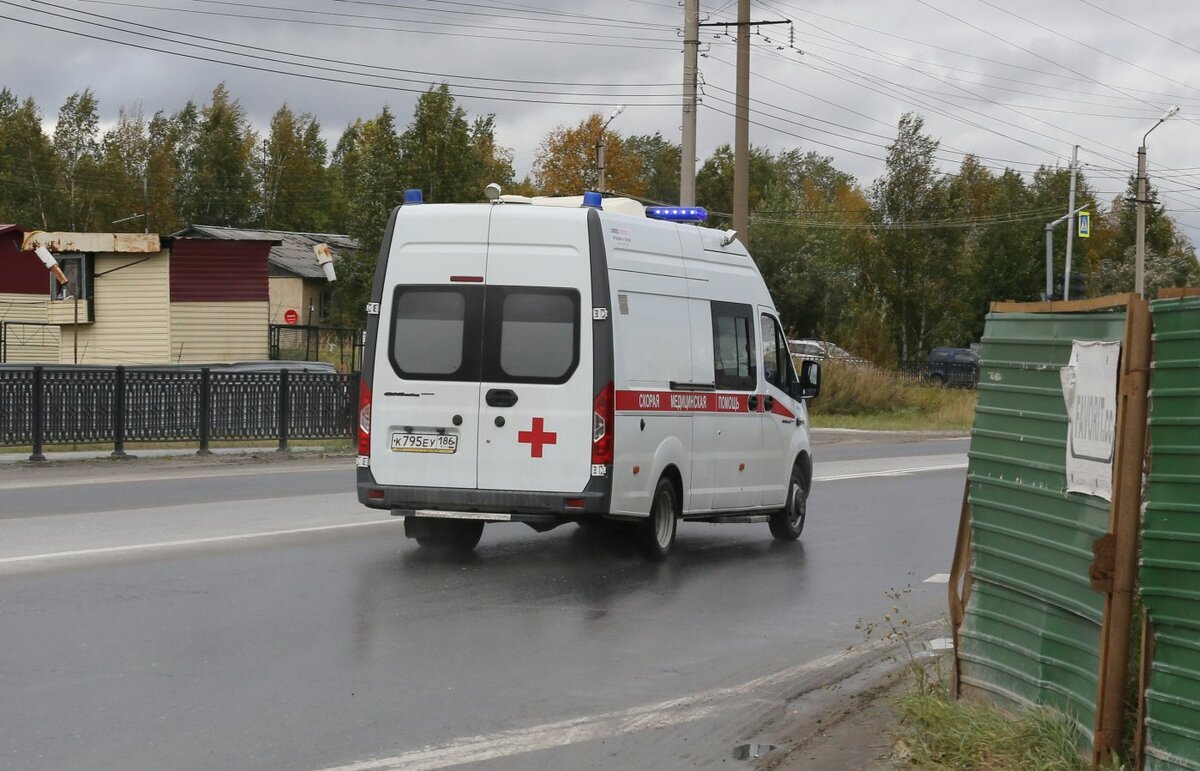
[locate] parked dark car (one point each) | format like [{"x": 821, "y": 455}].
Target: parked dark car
[{"x": 956, "y": 367}]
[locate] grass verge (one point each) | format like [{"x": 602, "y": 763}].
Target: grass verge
[
  {"x": 937, "y": 732},
  {"x": 869, "y": 397}
]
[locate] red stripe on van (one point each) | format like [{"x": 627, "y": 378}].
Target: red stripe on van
[
  {"x": 778, "y": 408},
  {"x": 680, "y": 401}
]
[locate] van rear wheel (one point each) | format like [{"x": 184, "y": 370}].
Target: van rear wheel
[
  {"x": 657, "y": 534},
  {"x": 447, "y": 535},
  {"x": 787, "y": 523}
]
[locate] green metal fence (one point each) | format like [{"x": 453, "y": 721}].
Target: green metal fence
[
  {"x": 1031, "y": 631},
  {"x": 1170, "y": 564}
]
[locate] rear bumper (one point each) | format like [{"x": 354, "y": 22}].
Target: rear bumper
[{"x": 406, "y": 499}]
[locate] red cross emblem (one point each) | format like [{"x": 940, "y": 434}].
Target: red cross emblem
[{"x": 536, "y": 437}]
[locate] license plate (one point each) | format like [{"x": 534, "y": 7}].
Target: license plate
[{"x": 445, "y": 444}]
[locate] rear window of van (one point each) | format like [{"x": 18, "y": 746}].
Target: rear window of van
[
  {"x": 537, "y": 334},
  {"x": 502, "y": 334}
]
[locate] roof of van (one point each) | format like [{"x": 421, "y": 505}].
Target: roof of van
[{"x": 613, "y": 205}]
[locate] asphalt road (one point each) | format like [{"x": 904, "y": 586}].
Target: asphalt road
[{"x": 242, "y": 617}]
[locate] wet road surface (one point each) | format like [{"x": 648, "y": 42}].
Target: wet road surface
[{"x": 343, "y": 643}]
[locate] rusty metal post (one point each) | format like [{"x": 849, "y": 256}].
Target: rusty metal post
[
  {"x": 960, "y": 581},
  {"x": 1132, "y": 413}
]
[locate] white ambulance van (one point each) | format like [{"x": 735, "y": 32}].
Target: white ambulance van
[{"x": 561, "y": 363}]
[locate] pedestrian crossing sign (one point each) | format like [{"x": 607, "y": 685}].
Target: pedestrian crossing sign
[{"x": 1085, "y": 224}]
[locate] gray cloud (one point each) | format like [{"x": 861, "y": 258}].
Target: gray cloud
[{"x": 979, "y": 92}]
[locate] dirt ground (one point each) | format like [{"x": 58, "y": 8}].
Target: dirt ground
[{"x": 852, "y": 737}]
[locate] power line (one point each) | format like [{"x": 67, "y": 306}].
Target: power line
[
  {"x": 377, "y": 28},
  {"x": 269, "y": 70},
  {"x": 973, "y": 56},
  {"x": 306, "y": 57}
]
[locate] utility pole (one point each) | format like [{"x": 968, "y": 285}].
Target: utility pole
[
  {"x": 687, "y": 155},
  {"x": 741, "y": 120},
  {"x": 1049, "y": 295},
  {"x": 741, "y": 127},
  {"x": 1070, "y": 223}
]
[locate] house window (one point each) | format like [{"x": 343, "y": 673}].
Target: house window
[
  {"x": 326, "y": 305},
  {"x": 78, "y": 270}
]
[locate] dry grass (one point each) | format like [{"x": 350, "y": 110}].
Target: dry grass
[
  {"x": 866, "y": 396},
  {"x": 937, "y": 732}
]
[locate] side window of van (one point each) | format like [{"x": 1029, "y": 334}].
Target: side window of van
[
  {"x": 733, "y": 347},
  {"x": 435, "y": 332},
  {"x": 777, "y": 363}
]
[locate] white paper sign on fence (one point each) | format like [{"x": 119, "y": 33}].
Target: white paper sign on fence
[{"x": 1089, "y": 385}]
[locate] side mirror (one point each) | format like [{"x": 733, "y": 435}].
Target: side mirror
[{"x": 810, "y": 381}]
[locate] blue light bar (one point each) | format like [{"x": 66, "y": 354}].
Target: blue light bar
[
  {"x": 412, "y": 196},
  {"x": 677, "y": 213},
  {"x": 593, "y": 200}
]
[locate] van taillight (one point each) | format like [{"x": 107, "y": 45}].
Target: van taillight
[
  {"x": 364, "y": 418},
  {"x": 602, "y": 427}
]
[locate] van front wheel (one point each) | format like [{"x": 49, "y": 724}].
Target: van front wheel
[
  {"x": 788, "y": 522},
  {"x": 658, "y": 531}
]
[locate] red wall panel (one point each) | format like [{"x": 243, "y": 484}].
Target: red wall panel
[
  {"x": 21, "y": 272},
  {"x": 205, "y": 270}
]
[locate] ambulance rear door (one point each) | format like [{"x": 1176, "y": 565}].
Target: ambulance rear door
[
  {"x": 536, "y": 397},
  {"x": 426, "y": 389}
]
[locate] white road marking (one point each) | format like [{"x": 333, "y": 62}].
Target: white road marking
[
  {"x": 890, "y": 472},
  {"x": 188, "y": 542},
  {"x": 113, "y": 479},
  {"x": 938, "y": 578},
  {"x": 664, "y": 714}
]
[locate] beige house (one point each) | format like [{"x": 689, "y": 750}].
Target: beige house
[{"x": 132, "y": 299}]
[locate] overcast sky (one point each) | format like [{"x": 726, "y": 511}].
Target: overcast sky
[{"x": 1017, "y": 82}]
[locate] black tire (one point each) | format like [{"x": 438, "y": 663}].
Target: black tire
[
  {"x": 656, "y": 535},
  {"x": 448, "y": 535},
  {"x": 787, "y": 523}
]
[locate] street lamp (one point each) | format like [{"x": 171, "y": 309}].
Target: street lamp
[
  {"x": 600, "y": 145},
  {"x": 1140, "y": 244}
]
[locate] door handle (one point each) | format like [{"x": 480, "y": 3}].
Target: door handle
[
  {"x": 768, "y": 402},
  {"x": 500, "y": 397},
  {"x": 752, "y": 402}
]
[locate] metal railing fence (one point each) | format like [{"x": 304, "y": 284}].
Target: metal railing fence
[{"x": 97, "y": 405}]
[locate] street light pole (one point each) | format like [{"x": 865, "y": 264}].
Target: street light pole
[
  {"x": 600, "y": 145},
  {"x": 1139, "y": 282}
]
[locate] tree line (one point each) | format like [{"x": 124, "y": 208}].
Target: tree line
[{"x": 886, "y": 269}]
